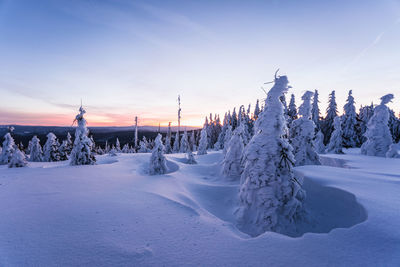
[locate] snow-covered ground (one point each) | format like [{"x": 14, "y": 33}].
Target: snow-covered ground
[{"x": 114, "y": 214}]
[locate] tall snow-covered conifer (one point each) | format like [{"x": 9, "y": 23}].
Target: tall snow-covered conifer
[
  {"x": 292, "y": 110},
  {"x": 176, "y": 149},
  {"x": 51, "y": 148},
  {"x": 168, "y": 148},
  {"x": 81, "y": 152},
  {"x": 315, "y": 110},
  {"x": 202, "y": 150},
  {"x": 7, "y": 149},
  {"x": 36, "y": 153},
  {"x": 302, "y": 131},
  {"x": 331, "y": 113},
  {"x": 271, "y": 199},
  {"x": 336, "y": 142},
  {"x": 158, "y": 163},
  {"x": 349, "y": 123},
  {"x": 231, "y": 165},
  {"x": 378, "y": 135},
  {"x": 184, "y": 143}
]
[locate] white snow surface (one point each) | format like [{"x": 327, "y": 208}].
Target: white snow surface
[{"x": 114, "y": 214}]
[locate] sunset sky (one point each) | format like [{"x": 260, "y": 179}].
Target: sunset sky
[{"x": 132, "y": 58}]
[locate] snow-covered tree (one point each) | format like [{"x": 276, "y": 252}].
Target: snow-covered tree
[
  {"x": 292, "y": 110},
  {"x": 190, "y": 157},
  {"x": 231, "y": 165},
  {"x": 315, "y": 111},
  {"x": 234, "y": 119},
  {"x": 144, "y": 146},
  {"x": 62, "y": 150},
  {"x": 394, "y": 126},
  {"x": 168, "y": 148},
  {"x": 81, "y": 152},
  {"x": 227, "y": 138},
  {"x": 51, "y": 149},
  {"x": 349, "y": 123},
  {"x": 113, "y": 152},
  {"x": 125, "y": 148},
  {"x": 365, "y": 114},
  {"x": 271, "y": 198},
  {"x": 69, "y": 144},
  {"x": 7, "y": 149},
  {"x": 36, "y": 153},
  {"x": 302, "y": 131},
  {"x": 378, "y": 135},
  {"x": 18, "y": 159},
  {"x": 184, "y": 147},
  {"x": 118, "y": 145},
  {"x": 202, "y": 150},
  {"x": 331, "y": 113},
  {"x": 336, "y": 142},
  {"x": 394, "y": 151},
  {"x": 319, "y": 143},
  {"x": 176, "y": 148},
  {"x": 158, "y": 164}
]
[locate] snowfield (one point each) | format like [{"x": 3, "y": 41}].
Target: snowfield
[{"x": 115, "y": 214}]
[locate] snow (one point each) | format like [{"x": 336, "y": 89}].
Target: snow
[{"x": 113, "y": 214}]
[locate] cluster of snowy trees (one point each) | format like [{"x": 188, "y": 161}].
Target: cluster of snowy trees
[
  {"x": 261, "y": 148},
  {"x": 79, "y": 152}
]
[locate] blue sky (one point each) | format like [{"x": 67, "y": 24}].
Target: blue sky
[{"x": 127, "y": 58}]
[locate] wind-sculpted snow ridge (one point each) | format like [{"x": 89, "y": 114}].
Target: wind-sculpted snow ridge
[{"x": 117, "y": 215}]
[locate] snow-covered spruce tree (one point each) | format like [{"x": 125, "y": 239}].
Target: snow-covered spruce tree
[
  {"x": 176, "y": 148},
  {"x": 349, "y": 123},
  {"x": 51, "y": 149},
  {"x": 331, "y": 113},
  {"x": 144, "y": 146},
  {"x": 158, "y": 163},
  {"x": 394, "y": 126},
  {"x": 302, "y": 131},
  {"x": 62, "y": 150},
  {"x": 227, "y": 138},
  {"x": 36, "y": 153},
  {"x": 81, "y": 152},
  {"x": 69, "y": 144},
  {"x": 168, "y": 148},
  {"x": 184, "y": 147},
  {"x": 220, "y": 142},
  {"x": 271, "y": 198},
  {"x": 365, "y": 114},
  {"x": 336, "y": 143},
  {"x": 292, "y": 110},
  {"x": 231, "y": 165},
  {"x": 378, "y": 135},
  {"x": 319, "y": 143},
  {"x": 394, "y": 151},
  {"x": 113, "y": 152},
  {"x": 315, "y": 111},
  {"x": 118, "y": 145},
  {"x": 18, "y": 159},
  {"x": 125, "y": 149},
  {"x": 202, "y": 150},
  {"x": 7, "y": 149},
  {"x": 234, "y": 119},
  {"x": 190, "y": 157}
]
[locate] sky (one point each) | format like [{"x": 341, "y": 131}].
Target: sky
[{"x": 132, "y": 58}]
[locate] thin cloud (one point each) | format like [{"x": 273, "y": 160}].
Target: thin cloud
[{"x": 374, "y": 43}]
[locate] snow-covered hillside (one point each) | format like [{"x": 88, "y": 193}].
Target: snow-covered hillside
[{"x": 115, "y": 214}]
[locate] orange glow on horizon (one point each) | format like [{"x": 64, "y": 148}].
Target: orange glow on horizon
[{"x": 93, "y": 120}]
